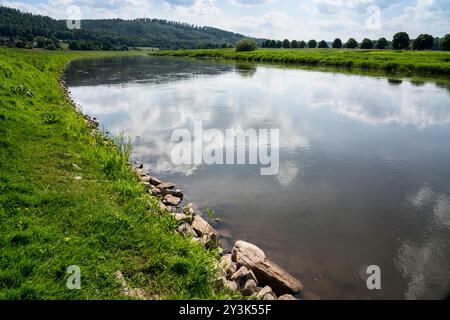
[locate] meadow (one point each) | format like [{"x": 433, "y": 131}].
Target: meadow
[
  {"x": 68, "y": 197},
  {"x": 411, "y": 62}
]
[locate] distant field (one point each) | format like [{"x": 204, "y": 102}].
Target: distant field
[{"x": 421, "y": 62}]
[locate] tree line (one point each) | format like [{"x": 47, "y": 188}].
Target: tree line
[
  {"x": 400, "y": 41},
  {"x": 26, "y": 30}
]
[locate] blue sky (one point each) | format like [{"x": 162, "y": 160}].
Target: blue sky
[{"x": 292, "y": 19}]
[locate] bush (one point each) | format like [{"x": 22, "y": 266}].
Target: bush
[
  {"x": 337, "y": 43},
  {"x": 246, "y": 45},
  {"x": 400, "y": 41},
  {"x": 445, "y": 43},
  {"x": 323, "y": 44},
  {"x": 423, "y": 42},
  {"x": 382, "y": 44},
  {"x": 366, "y": 44},
  {"x": 312, "y": 44},
  {"x": 286, "y": 44},
  {"x": 351, "y": 44}
]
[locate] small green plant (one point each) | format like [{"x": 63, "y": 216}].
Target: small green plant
[
  {"x": 115, "y": 157},
  {"x": 20, "y": 89},
  {"x": 210, "y": 213},
  {"x": 246, "y": 45},
  {"x": 50, "y": 117}
]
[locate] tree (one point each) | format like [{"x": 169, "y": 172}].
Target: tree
[
  {"x": 246, "y": 45},
  {"x": 74, "y": 45},
  {"x": 423, "y": 42},
  {"x": 323, "y": 44},
  {"x": 302, "y": 44},
  {"x": 337, "y": 43},
  {"x": 294, "y": 44},
  {"x": 382, "y": 44},
  {"x": 445, "y": 43},
  {"x": 366, "y": 44},
  {"x": 312, "y": 44},
  {"x": 286, "y": 44},
  {"x": 51, "y": 46},
  {"x": 21, "y": 44},
  {"x": 351, "y": 44},
  {"x": 400, "y": 41},
  {"x": 279, "y": 44},
  {"x": 40, "y": 42},
  {"x": 273, "y": 44}
]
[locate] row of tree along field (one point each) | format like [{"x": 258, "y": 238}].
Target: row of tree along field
[{"x": 400, "y": 41}]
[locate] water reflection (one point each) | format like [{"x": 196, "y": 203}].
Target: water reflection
[{"x": 353, "y": 151}]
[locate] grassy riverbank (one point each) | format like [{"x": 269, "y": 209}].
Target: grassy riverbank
[
  {"x": 420, "y": 62},
  {"x": 68, "y": 198}
]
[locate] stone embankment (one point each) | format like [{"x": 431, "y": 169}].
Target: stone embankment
[{"x": 245, "y": 269}]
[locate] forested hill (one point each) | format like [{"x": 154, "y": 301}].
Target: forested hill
[{"x": 114, "y": 32}]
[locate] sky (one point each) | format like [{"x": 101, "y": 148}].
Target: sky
[{"x": 276, "y": 19}]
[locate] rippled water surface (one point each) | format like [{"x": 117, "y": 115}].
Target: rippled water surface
[{"x": 364, "y": 164}]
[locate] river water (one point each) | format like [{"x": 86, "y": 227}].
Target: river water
[{"x": 364, "y": 168}]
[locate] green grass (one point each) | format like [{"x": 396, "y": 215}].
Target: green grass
[
  {"x": 412, "y": 62},
  {"x": 102, "y": 223}
]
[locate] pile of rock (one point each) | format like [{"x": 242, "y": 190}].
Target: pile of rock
[
  {"x": 248, "y": 270},
  {"x": 171, "y": 197}
]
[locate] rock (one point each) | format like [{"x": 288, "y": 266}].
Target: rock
[
  {"x": 267, "y": 272},
  {"x": 227, "y": 266},
  {"x": 145, "y": 179},
  {"x": 266, "y": 293},
  {"x": 189, "y": 210},
  {"x": 171, "y": 200},
  {"x": 202, "y": 227},
  {"x": 163, "y": 206},
  {"x": 186, "y": 230},
  {"x": 243, "y": 275},
  {"x": 250, "y": 288},
  {"x": 139, "y": 172},
  {"x": 138, "y": 165},
  {"x": 309, "y": 296},
  {"x": 210, "y": 240},
  {"x": 232, "y": 285},
  {"x": 220, "y": 283},
  {"x": 166, "y": 185},
  {"x": 154, "y": 181},
  {"x": 287, "y": 297},
  {"x": 155, "y": 191},
  {"x": 78, "y": 178},
  {"x": 176, "y": 193},
  {"x": 181, "y": 217}
]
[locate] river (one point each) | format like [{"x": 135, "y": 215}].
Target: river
[{"x": 364, "y": 167}]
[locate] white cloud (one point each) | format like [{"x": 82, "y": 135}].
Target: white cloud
[{"x": 305, "y": 19}]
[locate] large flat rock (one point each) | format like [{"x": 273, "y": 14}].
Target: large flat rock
[{"x": 267, "y": 272}]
